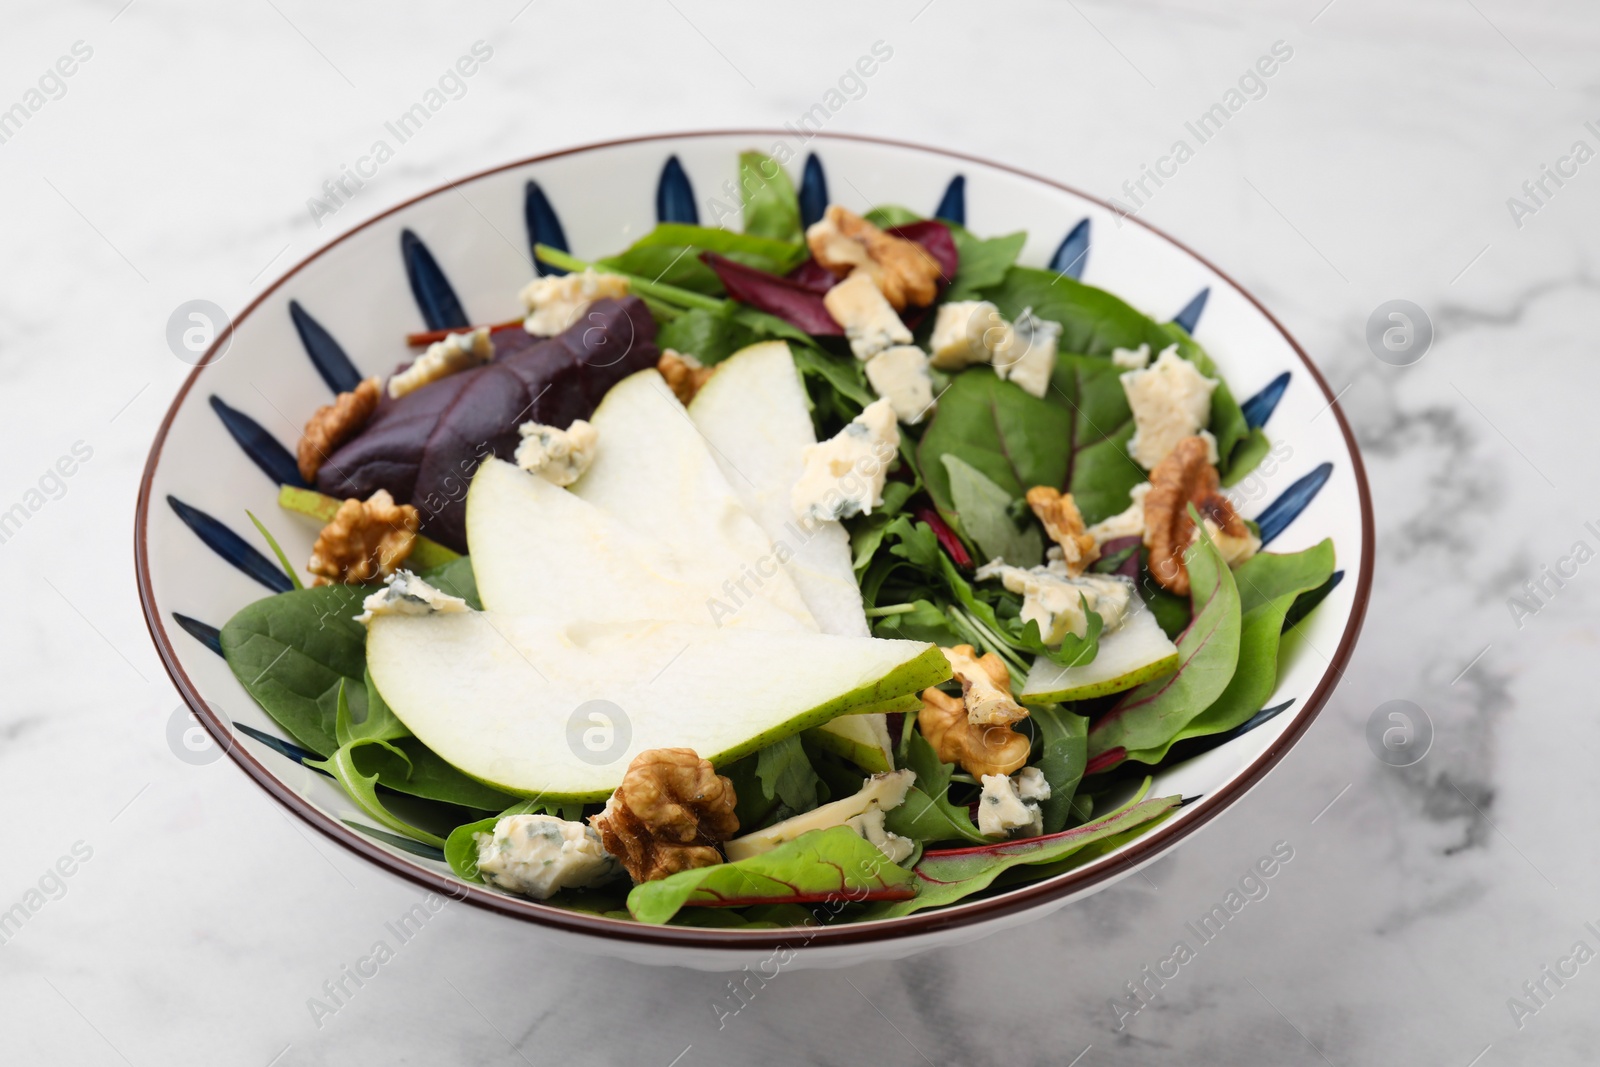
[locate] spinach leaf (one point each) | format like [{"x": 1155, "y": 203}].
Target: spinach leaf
[
  {"x": 1063, "y": 755},
  {"x": 1152, "y": 714},
  {"x": 785, "y": 773},
  {"x": 982, "y": 263},
  {"x": 1094, "y": 322},
  {"x": 457, "y": 579},
  {"x": 670, "y": 254},
  {"x": 1269, "y": 584},
  {"x": 1016, "y": 440},
  {"x": 927, "y": 813},
  {"x": 709, "y": 336},
  {"x": 983, "y": 511},
  {"x": 824, "y": 865},
  {"x": 771, "y": 208},
  {"x": 888, "y": 216},
  {"x": 1100, "y": 473},
  {"x": 949, "y": 875}
]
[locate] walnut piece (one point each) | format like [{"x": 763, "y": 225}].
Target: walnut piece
[
  {"x": 1187, "y": 477},
  {"x": 980, "y": 750},
  {"x": 1064, "y": 523},
  {"x": 906, "y": 273},
  {"x": 365, "y": 541},
  {"x": 985, "y": 686},
  {"x": 684, "y": 374},
  {"x": 669, "y": 814},
  {"x": 334, "y": 424}
]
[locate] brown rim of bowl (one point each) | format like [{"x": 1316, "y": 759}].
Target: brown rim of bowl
[{"x": 1020, "y": 899}]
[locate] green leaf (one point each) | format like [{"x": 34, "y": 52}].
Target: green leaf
[
  {"x": 1024, "y": 637},
  {"x": 982, "y": 263},
  {"x": 277, "y": 550},
  {"x": 786, "y": 773},
  {"x": 888, "y": 216},
  {"x": 1268, "y": 584},
  {"x": 457, "y": 579},
  {"x": 1016, "y": 440},
  {"x": 927, "y": 813},
  {"x": 924, "y": 622},
  {"x": 1247, "y": 454},
  {"x": 984, "y": 511},
  {"x": 362, "y": 788},
  {"x": 1063, "y": 755},
  {"x": 1094, "y": 322},
  {"x": 380, "y": 723},
  {"x": 824, "y": 865},
  {"x": 771, "y": 208},
  {"x": 670, "y": 254},
  {"x": 1100, "y": 473},
  {"x": 1150, "y": 715},
  {"x": 947, "y": 876},
  {"x": 709, "y": 336}
]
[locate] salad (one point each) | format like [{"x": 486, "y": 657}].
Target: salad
[{"x": 828, "y": 571}]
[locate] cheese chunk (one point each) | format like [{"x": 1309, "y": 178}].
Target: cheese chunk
[
  {"x": 560, "y": 457},
  {"x": 1002, "y": 810},
  {"x": 844, "y": 475},
  {"x": 404, "y": 593},
  {"x": 537, "y": 855},
  {"x": 556, "y": 301},
  {"x": 1058, "y": 602},
  {"x": 1028, "y": 355},
  {"x": 1128, "y": 522},
  {"x": 1170, "y": 400},
  {"x": 1234, "y": 550},
  {"x": 1131, "y": 358},
  {"x": 900, "y": 376},
  {"x": 457, "y": 352},
  {"x": 967, "y": 332},
  {"x": 869, "y": 824},
  {"x": 869, "y": 320}
]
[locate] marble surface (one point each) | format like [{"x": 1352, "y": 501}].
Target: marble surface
[{"x": 176, "y": 163}]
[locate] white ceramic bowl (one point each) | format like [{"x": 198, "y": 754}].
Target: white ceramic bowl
[{"x": 605, "y": 197}]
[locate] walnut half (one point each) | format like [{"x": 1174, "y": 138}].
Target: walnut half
[
  {"x": 669, "y": 814},
  {"x": 333, "y": 424},
  {"x": 985, "y": 686},
  {"x": 684, "y": 374},
  {"x": 1064, "y": 523},
  {"x": 365, "y": 541},
  {"x": 979, "y": 749},
  {"x": 1187, "y": 477},
  {"x": 903, "y": 270}
]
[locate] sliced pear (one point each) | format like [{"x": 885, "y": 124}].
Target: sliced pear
[
  {"x": 558, "y": 710},
  {"x": 754, "y": 413},
  {"x": 884, "y": 791},
  {"x": 1135, "y": 652},
  {"x": 655, "y": 472},
  {"x": 862, "y": 739},
  {"x": 539, "y": 550}
]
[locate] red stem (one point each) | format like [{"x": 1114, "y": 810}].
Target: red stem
[
  {"x": 947, "y": 537},
  {"x": 428, "y": 337}
]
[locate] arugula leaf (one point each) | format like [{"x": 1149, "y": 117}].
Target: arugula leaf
[
  {"x": 771, "y": 208},
  {"x": 362, "y": 788},
  {"x": 1063, "y": 755},
  {"x": 1094, "y": 322},
  {"x": 927, "y": 813},
  {"x": 924, "y": 622},
  {"x": 948, "y": 875},
  {"x": 1150, "y": 715},
  {"x": 1269, "y": 584},
  {"x": 785, "y": 773},
  {"x": 277, "y": 550},
  {"x": 380, "y": 723},
  {"x": 982, "y": 262},
  {"x": 823, "y": 865},
  {"x": 983, "y": 512},
  {"x": 1016, "y": 440}
]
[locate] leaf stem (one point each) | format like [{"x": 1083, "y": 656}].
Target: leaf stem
[
  {"x": 890, "y": 609},
  {"x": 668, "y": 294}
]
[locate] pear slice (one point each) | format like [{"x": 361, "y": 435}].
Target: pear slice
[
  {"x": 1135, "y": 652},
  {"x": 754, "y": 413},
  {"x": 862, "y": 739},
  {"x": 883, "y": 791},
  {"x": 655, "y": 472},
  {"x": 557, "y": 710},
  {"x": 538, "y": 549}
]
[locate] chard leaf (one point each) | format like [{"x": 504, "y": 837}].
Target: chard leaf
[
  {"x": 948, "y": 875},
  {"x": 1152, "y": 714},
  {"x": 823, "y": 865},
  {"x": 1100, "y": 473},
  {"x": 1063, "y": 756},
  {"x": 771, "y": 208},
  {"x": 984, "y": 513},
  {"x": 927, "y": 813},
  {"x": 1094, "y": 322},
  {"x": 785, "y": 773},
  {"x": 1269, "y": 584}
]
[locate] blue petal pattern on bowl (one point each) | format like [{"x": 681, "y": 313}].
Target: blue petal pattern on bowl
[
  {"x": 326, "y": 355},
  {"x": 675, "y": 196},
  {"x": 203, "y": 632},
  {"x": 953, "y": 205},
  {"x": 544, "y": 228},
  {"x": 440, "y": 307},
  {"x": 416, "y": 848},
  {"x": 1258, "y": 409},
  {"x": 1189, "y": 317},
  {"x": 1073, "y": 253},
  {"x": 286, "y": 748},
  {"x": 264, "y": 450},
  {"x": 1284, "y": 510},
  {"x": 231, "y": 547},
  {"x": 813, "y": 191}
]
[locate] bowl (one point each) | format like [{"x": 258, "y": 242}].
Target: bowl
[{"x": 221, "y": 451}]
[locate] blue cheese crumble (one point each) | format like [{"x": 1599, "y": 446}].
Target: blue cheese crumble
[
  {"x": 537, "y": 855},
  {"x": 869, "y": 320},
  {"x": 556, "y": 301},
  {"x": 1028, "y": 355},
  {"x": 1060, "y": 603},
  {"x": 404, "y": 593},
  {"x": 1170, "y": 400},
  {"x": 457, "y": 352},
  {"x": 844, "y": 475},
  {"x": 900, "y": 376},
  {"x": 967, "y": 332},
  {"x": 560, "y": 457},
  {"x": 1008, "y": 805}
]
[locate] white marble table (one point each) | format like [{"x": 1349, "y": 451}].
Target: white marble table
[{"x": 177, "y": 161}]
